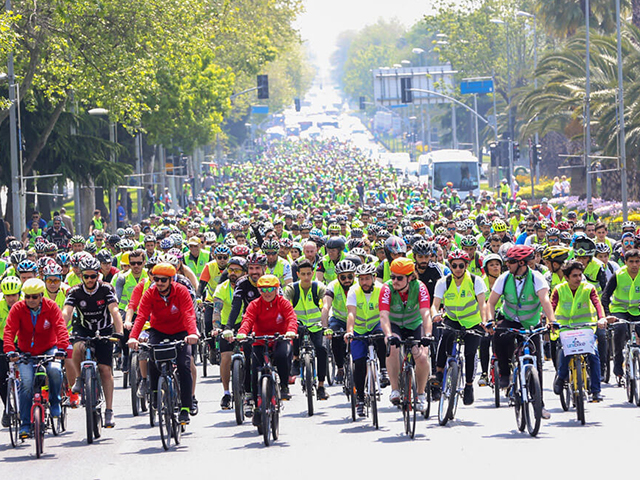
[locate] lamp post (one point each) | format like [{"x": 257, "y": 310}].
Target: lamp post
[
  {"x": 623, "y": 147},
  {"x": 587, "y": 99},
  {"x": 112, "y": 193}
]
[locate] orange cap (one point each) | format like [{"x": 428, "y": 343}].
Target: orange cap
[{"x": 402, "y": 266}]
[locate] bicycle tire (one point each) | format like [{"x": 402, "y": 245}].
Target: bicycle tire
[
  {"x": 518, "y": 405},
  {"x": 62, "y": 419},
  {"x": 165, "y": 412},
  {"x": 496, "y": 383},
  {"x": 460, "y": 387},
  {"x": 126, "y": 365},
  {"x": 347, "y": 376},
  {"x": 331, "y": 367},
  {"x": 275, "y": 413},
  {"x": 308, "y": 383},
  {"x": 373, "y": 395},
  {"x": 134, "y": 380},
  {"x": 449, "y": 391},
  {"x": 237, "y": 389},
  {"x": 53, "y": 423},
  {"x": 205, "y": 357},
  {"x": 565, "y": 395},
  {"x": 428, "y": 398},
  {"x": 176, "y": 406},
  {"x": 533, "y": 405},
  {"x": 152, "y": 410},
  {"x": 606, "y": 362},
  {"x": 265, "y": 409},
  {"x": 89, "y": 405},
  {"x": 98, "y": 401},
  {"x": 413, "y": 404},
  {"x": 636, "y": 380},
  {"x": 629, "y": 383},
  {"x": 12, "y": 409},
  {"x": 38, "y": 429},
  {"x": 578, "y": 394}
]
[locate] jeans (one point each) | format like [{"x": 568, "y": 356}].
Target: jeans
[
  {"x": 445, "y": 347},
  {"x": 25, "y": 393},
  {"x": 594, "y": 369},
  {"x": 337, "y": 342},
  {"x": 620, "y": 337},
  {"x": 183, "y": 363},
  {"x": 280, "y": 358}
]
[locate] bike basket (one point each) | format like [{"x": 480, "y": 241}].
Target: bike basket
[
  {"x": 164, "y": 354},
  {"x": 576, "y": 342}
]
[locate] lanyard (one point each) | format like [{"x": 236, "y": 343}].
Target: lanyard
[
  {"x": 34, "y": 320},
  {"x": 521, "y": 295}
]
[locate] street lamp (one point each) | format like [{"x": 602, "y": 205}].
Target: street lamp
[
  {"x": 623, "y": 147},
  {"x": 112, "y": 193},
  {"x": 405, "y": 62}
]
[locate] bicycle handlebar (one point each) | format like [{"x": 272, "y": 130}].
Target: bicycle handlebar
[{"x": 464, "y": 331}]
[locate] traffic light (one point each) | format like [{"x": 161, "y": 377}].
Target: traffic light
[
  {"x": 516, "y": 152},
  {"x": 494, "y": 153},
  {"x": 263, "y": 87},
  {"x": 537, "y": 154},
  {"x": 406, "y": 95},
  {"x": 361, "y": 103},
  {"x": 297, "y": 103},
  {"x": 504, "y": 153}
]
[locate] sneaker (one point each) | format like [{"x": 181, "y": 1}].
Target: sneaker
[
  {"x": 340, "y": 376},
  {"x": 384, "y": 378},
  {"x": 74, "y": 399},
  {"x": 77, "y": 386},
  {"x": 248, "y": 406},
  {"x": 54, "y": 410},
  {"x": 596, "y": 397},
  {"x": 394, "y": 398},
  {"x": 504, "y": 381},
  {"x": 143, "y": 388},
  {"x": 256, "y": 421},
  {"x": 360, "y": 409},
  {"x": 422, "y": 403},
  {"x": 620, "y": 380},
  {"x": 292, "y": 379},
  {"x": 467, "y": 397},
  {"x": 322, "y": 394},
  {"x": 194, "y": 406},
  {"x": 483, "y": 381},
  {"x": 558, "y": 385},
  {"x": 545, "y": 414},
  {"x": 225, "y": 403},
  {"x": 6, "y": 420},
  {"x": 108, "y": 419},
  {"x": 25, "y": 432},
  {"x": 183, "y": 417},
  {"x": 284, "y": 392},
  {"x": 295, "y": 368},
  {"x": 437, "y": 381}
]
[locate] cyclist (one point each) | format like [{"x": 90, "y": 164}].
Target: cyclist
[
  {"x": 41, "y": 330},
  {"x": 394, "y": 247},
  {"x": 525, "y": 294},
  {"x": 492, "y": 266},
  {"x": 270, "y": 314},
  {"x": 197, "y": 259},
  {"x": 97, "y": 312},
  {"x": 363, "y": 318},
  {"x": 276, "y": 265},
  {"x": 463, "y": 296},
  {"x": 470, "y": 245},
  {"x": 11, "y": 288},
  {"x": 326, "y": 271},
  {"x": 404, "y": 312},
  {"x": 603, "y": 252},
  {"x": 576, "y": 301},
  {"x": 621, "y": 299},
  {"x": 168, "y": 307}
]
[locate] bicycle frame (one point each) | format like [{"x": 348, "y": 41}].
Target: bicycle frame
[{"x": 307, "y": 348}]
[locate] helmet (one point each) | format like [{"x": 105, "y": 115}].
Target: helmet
[
  {"x": 15, "y": 245},
  {"x": 52, "y": 248},
  {"x": 268, "y": 281},
  {"x": 40, "y": 247},
  {"x": 286, "y": 242},
  {"x": 383, "y": 234},
  {"x": 422, "y": 247},
  {"x": 499, "y": 225},
  {"x": 521, "y": 253},
  {"x": 240, "y": 261},
  {"x": 17, "y": 257},
  {"x": 176, "y": 252},
  {"x": 541, "y": 226},
  {"x": 149, "y": 238},
  {"x": 33, "y": 286},
  {"x": 366, "y": 269},
  {"x": 354, "y": 243},
  {"x": 11, "y": 286},
  {"x": 602, "y": 248},
  {"x": 126, "y": 244},
  {"x": 166, "y": 243},
  {"x": 26, "y": 266},
  {"x": 257, "y": 259},
  {"x": 120, "y": 232},
  {"x": 491, "y": 256},
  {"x": 77, "y": 239},
  {"x": 164, "y": 270},
  {"x": 62, "y": 258},
  {"x": 395, "y": 244},
  {"x": 468, "y": 223},
  {"x": 442, "y": 241},
  {"x": 553, "y": 232},
  {"x": 51, "y": 269},
  {"x": 129, "y": 232},
  {"x": 89, "y": 263},
  {"x": 334, "y": 228},
  {"x": 335, "y": 242},
  {"x": 458, "y": 255},
  {"x": 230, "y": 241},
  {"x": 104, "y": 256},
  {"x": 152, "y": 261},
  {"x": 628, "y": 224},
  {"x": 44, "y": 261},
  {"x": 563, "y": 226},
  {"x": 345, "y": 266},
  {"x": 357, "y": 233},
  {"x": 177, "y": 239},
  {"x": 469, "y": 241},
  {"x": 584, "y": 247},
  {"x": 240, "y": 251},
  {"x": 90, "y": 248},
  {"x": 170, "y": 259},
  {"x": 270, "y": 247},
  {"x": 222, "y": 250},
  {"x": 556, "y": 253},
  {"x": 113, "y": 240},
  {"x": 402, "y": 266}
]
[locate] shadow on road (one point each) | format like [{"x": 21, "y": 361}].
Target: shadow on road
[
  {"x": 401, "y": 438},
  {"x": 277, "y": 444}
]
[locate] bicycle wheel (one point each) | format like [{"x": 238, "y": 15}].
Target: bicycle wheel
[
  {"x": 308, "y": 383},
  {"x": 237, "y": 389},
  {"x": 628, "y": 380},
  {"x": 412, "y": 387},
  {"x": 176, "y": 427},
  {"x": 636, "y": 374},
  {"x": 165, "y": 412},
  {"x": 496, "y": 383},
  {"x": 373, "y": 394},
  {"x": 565, "y": 396},
  {"x": 38, "y": 429},
  {"x": 428, "y": 397},
  {"x": 205, "y": 357},
  {"x": 152, "y": 410},
  {"x": 518, "y": 403},
  {"x": 331, "y": 363},
  {"x": 125, "y": 370},
  {"x": 53, "y": 422},
  {"x": 606, "y": 362},
  {"x": 533, "y": 404},
  {"x": 265, "y": 409},
  {"x": 449, "y": 392},
  {"x": 579, "y": 393},
  {"x": 89, "y": 403},
  {"x": 134, "y": 379},
  {"x": 12, "y": 409},
  {"x": 275, "y": 413}
]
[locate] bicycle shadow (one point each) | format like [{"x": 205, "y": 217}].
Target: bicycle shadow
[
  {"x": 402, "y": 438},
  {"x": 515, "y": 435},
  {"x": 574, "y": 423},
  {"x": 255, "y": 445}
]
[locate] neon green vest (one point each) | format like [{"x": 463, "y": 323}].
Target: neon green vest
[
  {"x": 214, "y": 275},
  {"x": 4, "y": 313},
  {"x": 591, "y": 273},
  {"x": 486, "y": 283},
  {"x": 626, "y": 296},
  {"x": 330, "y": 268},
  {"x": 72, "y": 279},
  {"x": 199, "y": 265},
  {"x": 461, "y": 305},
  {"x": 339, "y": 303},
  {"x": 130, "y": 283},
  {"x": 406, "y": 315},
  {"x": 367, "y": 313},
  {"x": 524, "y": 309},
  {"x": 224, "y": 293},
  {"x": 386, "y": 276},
  {"x": 308, "y": 312},
  {"x": 277, "y": 270},
  {"x": 574, "y": 308}
]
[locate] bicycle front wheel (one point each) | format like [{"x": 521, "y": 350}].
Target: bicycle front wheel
[
  {"x": 237, "y": 385},
  {"x": 518, "y": 402},
  {"x": 134, "y": 380},
  {"x": 204, "y": 355},
  {"x": 579, "y": 392},
  {"x": 533, "y": 404},
  {"x": 636, "y": 375},
  {"x": 265, "y": 409},
  {"x": 275, "y": 412},
  {"x": 38, "y": 429},
  {"x": 449, "y": 392},
  {"x": 412, "y": 389},
  {"x": 628, "y": 377},
  {"x": 331, "y": 366},
  {"x": 496, "y": 383},
  {"x": 165, "y": 412},
  {"x": 89, "y": 403},
  {"x": 373, "y": 394},
  {"x": 308, "y": 382},
  {"x": 12, "y": 410}
]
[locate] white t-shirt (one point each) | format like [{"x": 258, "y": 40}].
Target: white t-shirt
[
  {"x": 539, "y": 282},
  {"x": 441, "y": 287},
  {"x": 351, "y": 297}
]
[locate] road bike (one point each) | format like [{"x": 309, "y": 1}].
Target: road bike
[
  {"x": 408, "y": 385},
  {"x": 631, "y": 361},
  {"x": 238, "y": 373},
  {"x": 372, "y": 379},
  {"x": 269, "y": 399}
]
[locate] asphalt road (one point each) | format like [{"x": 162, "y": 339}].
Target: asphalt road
[{"x": 482, "y": 441}]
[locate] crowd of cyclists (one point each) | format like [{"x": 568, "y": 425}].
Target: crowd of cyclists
[{"x": 315, "y": 234}]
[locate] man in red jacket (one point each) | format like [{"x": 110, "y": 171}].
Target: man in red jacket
[
  {"x": 268, "y": 315},
  {"x": 168, "y": 307},
  {"x": 41, "y": 330}
]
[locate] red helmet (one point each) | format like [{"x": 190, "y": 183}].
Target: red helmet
[
  {"x": 563, "y": 226},
  {"x": 458, "y": 255},
  {"x": 442, "y": 240},
  {"x": 521, "y": 253}
]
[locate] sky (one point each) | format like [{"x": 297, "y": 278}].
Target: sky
[{"x": 324, "y": 20}]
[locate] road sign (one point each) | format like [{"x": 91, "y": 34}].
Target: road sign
[
  {"x": 388, "y": 85},
  {"x": 476, "y": 85},
  {"x": 260, "y": 109}
]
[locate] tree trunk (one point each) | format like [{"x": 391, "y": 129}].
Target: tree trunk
[
  {"x": 100, "y": 205},
  {"x": 44, "y": 201},
  {"x": 87, "y": 205}
]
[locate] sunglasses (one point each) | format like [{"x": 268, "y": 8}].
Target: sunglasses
[
  {"x": 511, "y": 261},
  {"x": 452, "y": 229},
  {"x": 32, "y": 297},
  {"x": 458, "y": 266},
  {"x": 267, "y": 289},
  {"x": 53, "y": 280},
  {"x": 99, "y": 238},
  {"x": 397, "y": 277},
  {"x": 161, "y": 279},
  {"x": 135, "y": 263},
  {"x": 345, "y": 277},
  {"x": 222, "y": 257},
  {"x": 235, "y": 270},
  {"x": 627, "y": 244},
  {"x": 92, "y": 277}
]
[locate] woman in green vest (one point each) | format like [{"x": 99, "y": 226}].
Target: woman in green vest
[{"x": 492, "y": 265}]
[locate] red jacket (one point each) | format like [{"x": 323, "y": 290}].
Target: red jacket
[
  {"x": 173, "y": 316},
  {"x": 269, "y": 318},
  {"x": 50, "y": 329}
]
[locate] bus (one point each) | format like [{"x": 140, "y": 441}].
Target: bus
[{"x": 459, "y": 167}]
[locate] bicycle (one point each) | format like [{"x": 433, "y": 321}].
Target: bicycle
[
  {"x": 524, "y": 390},
  {"x": 576, "y": 342},
  {"x": 237, "y": 382},
  {"x": 349, "y": 386},
  {"x": 12, "y": 407},
  {"x": 606, "y": 362},
  {"x": 308, "y": 374},
  {"x": 168, "y": 403},
  {"x": 269, "y": 399},
  {"x": 631, "y": 360},
  {"x": 135, "y": 379},
  {"x": 204, "y": 343},
  {"x": 331, "y": 362},
  {"x": 92, "y": 394},
  {"x": 408, "y": 385},
  {"x": 372, "y": 379},
  {"x": 453, "y": 376}
]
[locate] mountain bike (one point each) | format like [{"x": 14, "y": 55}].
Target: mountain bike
[
  {"x": 308, "y": 374},
  {"x": 238, "y": 373},
  {"x": 372, "y": 379},
  {"x": 12, "y": 407},
  {"x": 408, "y": 385},
  {"x": 631, "y": 361},
  {"x": 331, "y": 361},
  {"x": 268, "y": 396}
]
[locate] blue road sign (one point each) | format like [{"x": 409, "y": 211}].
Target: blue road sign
[
  {"x": 260, "y": 109},
  {"x": 476, "y": 86}
]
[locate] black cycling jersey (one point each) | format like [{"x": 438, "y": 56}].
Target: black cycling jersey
[
  {"x": 58, "y": 237},
  {"x": 92, "y": 308},
  {"x": 430, "y": 277},
  {"x": 244, "y": 293}
]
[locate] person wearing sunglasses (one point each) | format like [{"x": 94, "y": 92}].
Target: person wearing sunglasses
[
  {"x": 41, "y": 330},
  {"x": 168, "y": 307},
  {"x": 269, "y": 314},
  {"x": 404, "y": 312},
  {"x": 97, "y": 308},
  {"x": 627, "y": 242},
  {"x": 462, "y": 295},
  {"x": 212, "y": 272},
  {"x": 525, "y": 296},
  {"x": 197, "y": 258}
]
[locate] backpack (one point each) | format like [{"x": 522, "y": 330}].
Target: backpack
[{"x": 314, "y": 294}]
